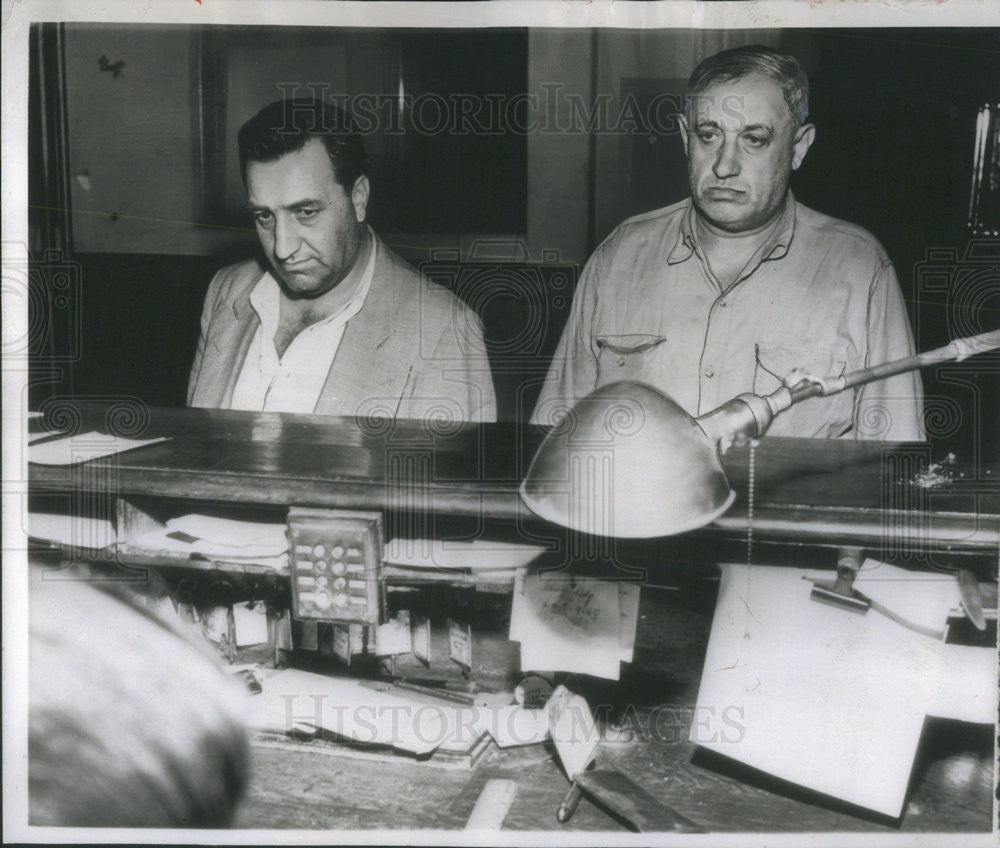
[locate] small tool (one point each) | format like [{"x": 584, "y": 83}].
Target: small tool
[
  {"x": 572, "y": 728},
  {"x": 841, "y": 592}
]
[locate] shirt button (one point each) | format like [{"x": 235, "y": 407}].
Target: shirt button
[
  {"x": 710, "y": 372},
  {"x": 723, "y": 304},
  {"x": 621, "y": 361}
]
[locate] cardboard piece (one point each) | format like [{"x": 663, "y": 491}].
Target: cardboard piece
[{"x": 824, "y": 697}]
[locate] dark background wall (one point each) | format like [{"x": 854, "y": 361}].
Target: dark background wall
[{"x": 895, "y": 110}]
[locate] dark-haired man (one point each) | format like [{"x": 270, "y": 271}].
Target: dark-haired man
[
  {"x": 335, "y": 323},
  {"x": 732, "y": 289}
]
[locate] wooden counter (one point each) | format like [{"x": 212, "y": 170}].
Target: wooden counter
[{"x": 807, "y": 490}]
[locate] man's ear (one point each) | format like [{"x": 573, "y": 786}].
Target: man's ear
[
  {"x": 359, "y": 197},
  {"x": 804, "y": 137},
  {"x": 682, "y": 122}
]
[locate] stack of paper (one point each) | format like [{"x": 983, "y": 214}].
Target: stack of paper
[
  {"x": 76, "y": 531},
  {"x": 222, "y": 539},
  {"x": 301, "y": 700},
  {"x": 477, "y": 555},
  {"x": 571, "y": 623}
]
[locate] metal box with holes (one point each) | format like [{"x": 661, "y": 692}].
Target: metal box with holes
[{"x": 336, "y": 561}]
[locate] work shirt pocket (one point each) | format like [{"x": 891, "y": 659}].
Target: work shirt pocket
[
  {"x": 627, "y": 357},
  {"x": 774, "y": 363}
]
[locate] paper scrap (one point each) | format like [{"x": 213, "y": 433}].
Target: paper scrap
[
  {"x": 83, "y": 448},
  {"x": 250, "y": 625},
  {"x": 347, "y": 708},
  {"x": 572, "y": 728},
  {"x": 573, "y": 623},
  {"x": 479, "y": 554},
  {"x": 227, "y": 533},
  {"x": 223, "y": 539},
  {"x": 393, "y": 637},
  {"x": 420, "y": 638},
  {"x": 823, "y": 697},
  {"x": 460, "y": 643},
  {"x": 72, "y": 530},
  {"x": 512, "y": 725}
]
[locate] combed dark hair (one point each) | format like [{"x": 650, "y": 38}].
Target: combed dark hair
[
  {"x": 740, "y": 62},
  {"x": 286, "y": 125}
]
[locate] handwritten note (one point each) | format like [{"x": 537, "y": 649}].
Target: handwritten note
[{"x": 572, "y": 623}]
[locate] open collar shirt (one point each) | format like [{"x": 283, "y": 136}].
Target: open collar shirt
[
  {"x": 293, "y": 382},
  {"x": 818, "y": 295}
]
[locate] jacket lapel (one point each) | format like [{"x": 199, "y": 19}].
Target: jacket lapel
[
  {"x": 369, "y": 371},
  {"x": 233, "y": 329}
]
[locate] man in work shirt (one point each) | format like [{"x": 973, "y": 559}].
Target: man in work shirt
[{"x": 733, "y": 288}]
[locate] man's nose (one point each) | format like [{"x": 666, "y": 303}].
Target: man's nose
[
  {"x": 286, "y": 238},
  {"x": 727, "y": 162}
]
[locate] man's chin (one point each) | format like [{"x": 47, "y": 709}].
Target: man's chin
[
  {"x": 299, "y": 289},
  {"x": 729, "y": 217}
]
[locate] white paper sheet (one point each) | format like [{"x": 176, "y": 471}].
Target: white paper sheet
[
  {"x": 573, "y": 730},
  {"x": 215, "y": 533},
  {"x": 308, "y": 701},
  {"x": 221, "y": 539},
  {"x": 347, "y": 708},
  {"x": 513, "y": 725},
  {"x": 827, "y": 698},
  {"x": 74, "y": 530},
  {"x": 394, "y": 637},
  {"x": 84, "y": 447},
  {"x": 250, "y": 624},
  {"x": 575, "y": 624},
  {"x": 479, "y": 554}
]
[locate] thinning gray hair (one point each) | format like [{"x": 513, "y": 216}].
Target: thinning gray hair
[{"x": 739, "y": 62}]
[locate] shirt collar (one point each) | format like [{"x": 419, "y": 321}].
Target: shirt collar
[
  {"x": 265, "y": 296},
  {"x": 775, "y": 247}
]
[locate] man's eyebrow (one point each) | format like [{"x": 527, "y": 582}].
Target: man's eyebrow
[
  {"x": 299, "y": 204},
  {"x": 715, "y": 125}
]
